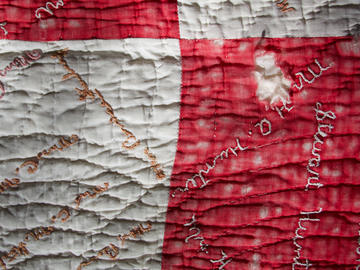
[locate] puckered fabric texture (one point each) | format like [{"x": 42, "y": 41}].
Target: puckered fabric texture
[{"x": 220, "y": 134}]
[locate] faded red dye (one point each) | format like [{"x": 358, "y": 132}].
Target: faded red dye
[
  {"x": 251, "y": 207},
  {"x": 83, "y": 19}
]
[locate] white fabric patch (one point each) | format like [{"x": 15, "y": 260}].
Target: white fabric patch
[
  {"x": 232, "y": 19},
  {"x": 141, "y": 80}
]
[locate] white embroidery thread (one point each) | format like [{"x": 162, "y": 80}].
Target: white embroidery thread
[
  {"x": 47, "y": 8},
  {"x": 315, "y": 161},
  {"x": 222, "y": 260},
  {"x": 204, "y": 246},
  {"x": 315, "y": 76},
  {"x": 224, "y": 153},
  {"x": 261, "y": 125},
  {"x": 297, "y": 236},
  {"x": 2, "y": 26}
]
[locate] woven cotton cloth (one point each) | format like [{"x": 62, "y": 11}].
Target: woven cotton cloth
[{"x": 218, "y": 134}]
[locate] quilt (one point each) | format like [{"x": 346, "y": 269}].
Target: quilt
[{"x": 179, "y": 134}]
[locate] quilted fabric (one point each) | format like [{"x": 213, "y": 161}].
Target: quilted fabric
[{"x": 219, "y": 134}]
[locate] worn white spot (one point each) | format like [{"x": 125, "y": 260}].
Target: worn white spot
[
  {"x": 245, "y": 190},
  {"x": 229, "y": 188},
  {"x": 339, "y": 108},
  {"x": 329, "y": 142},
  {"x": 264, "y": 212},
  {"x": 243, "y": 46},
  {"x": 258, "y": 160},
  {"x": 202, "y": 145},
  {"x": 307, "y": 146},
  {"x": 272, "y": 87},
  {"x": 201, "y": 123},
  {"x": 219, "y": 42},
  {"x": 255, "y": 264},
  {"x": 326, "y": 171},
  {"x": 73, "y": 23}
]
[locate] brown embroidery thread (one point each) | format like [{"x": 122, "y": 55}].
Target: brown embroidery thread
[
  {"x": 21, "y": 248},
  {"x": 283, "y": 5},
  {"x": 111, "y": 251},
  {"x": 135, "y": 231},
  {"x": 38, "y": 233},
  {"x": 16, "y": 251},
  {"x": 115, "y": 120},
  {"x": 34, "y": 164},
  {"x": 8, "y": 184},
  {"x": 154, "y": 164},
  {"x": 65, "y": 211},
  {"x": 83, "y": 93},
  {"x": 97, "y": 190}
]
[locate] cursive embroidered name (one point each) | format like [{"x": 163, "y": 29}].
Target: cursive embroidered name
[
  {"x": 203, "y": 245},
  {"x": 97, "y": 190},
  {"x": 139, "y": 230},
  {"x": 47, "y": 8},
  {"x": 155, "y": 166},
  {"x": 111, "y": 251},
  {"x": 33, "y": 164},
  {"x": 283, "y": 5},
  {"x": 302, "y": 77},
  {"x": 21, "y": 249},
  {"x": 224, "y": 153},
  {"x": 64, "y": 214},
  {"x": 6, "y": 184},
  {"x": 314, "y": 162},
  {"x": 222, "y": 260},
  {"x": 116, "y": 121},
  {"x": 298, "y": 249},
  {"x": 85, "y": 92},
  {"x": 131, "y": 141}
]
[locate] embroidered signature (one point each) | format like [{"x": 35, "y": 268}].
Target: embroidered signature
[
  {"x": 21, "y": 249},
  {"x": 85, "y": 92},
  {"x": 154, "y": 164},
  {"x": 33, "y": 164},
  {"x": 20, "y": 61},
  {"x": 224, "y": 153},
  {"x": 111, "y": 251},
  {"x": 283, "y": 5},
  {"x": 315, "y": 161},
  {"x": 297, "y": 236},
  {"x": 131, "y": 141},
  {"x": 203, "y": 246},
  {"x": 6, "y": 184},
  {"x": 315, "y": 76},
  {"x": 140, "y": 229},
  {"x": 97, "y": 190},
  {"x": 47, "y": 8}
]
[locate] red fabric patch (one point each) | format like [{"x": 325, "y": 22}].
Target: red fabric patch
[
  {"x": 252, "y": 205},
  {"x": 84, "y": 19}
]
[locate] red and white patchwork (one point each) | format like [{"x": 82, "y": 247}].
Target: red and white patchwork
[
  {"x": 255, "y": 187},
  {"x": 179, "y": 134}
]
